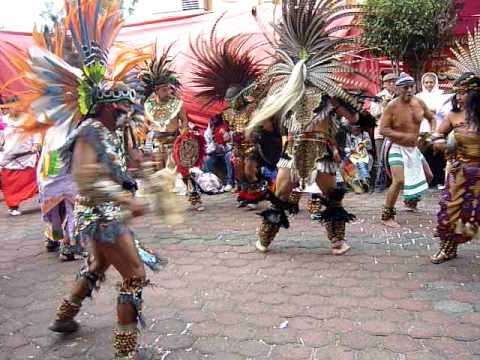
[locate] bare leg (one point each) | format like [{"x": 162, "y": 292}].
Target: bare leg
[
  {"x": 284, "y": 184},
  {"x": 388, "y": 217},
  {"x": 124, "y": 258},
  {"x": 251, "y": 169},
  {"x": 85, "y": 284},
  {"x": 97, "y": 264}
]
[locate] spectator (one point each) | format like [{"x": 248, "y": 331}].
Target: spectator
[
  {"x": 358, "y": 150},
  {"x": 433, "y": 97},
  {"x": 376, "y": 109},
  {"x": 18, "y": 164},
  {"x": 219, "y": 148}
]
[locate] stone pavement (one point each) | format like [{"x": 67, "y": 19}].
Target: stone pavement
[{"x": 219, "y": 299}]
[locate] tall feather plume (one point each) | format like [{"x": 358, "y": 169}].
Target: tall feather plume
[
  {"x": 220, "y": 63},
  {"x": 304, "y": 35},
  {"x": 50, "y": 87},
  {"x": 55, "y": 89},
  {"x": 158, "y": 71},
  {"x": 57, "y": 41},
  {"x": 129, "y": 59},
  {"x": 93, "y": 30},
  {"x": 467, "y": 59}
]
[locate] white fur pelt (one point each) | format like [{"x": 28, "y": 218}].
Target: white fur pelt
[{"x": 284, "y": 100}]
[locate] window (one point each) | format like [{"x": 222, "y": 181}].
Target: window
[{"x": 190, "y": 5}]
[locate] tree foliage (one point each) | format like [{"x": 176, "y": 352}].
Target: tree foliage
[{"x": 409, "y": 31}]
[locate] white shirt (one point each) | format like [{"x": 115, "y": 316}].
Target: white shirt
[{"x": 17, "y": 143}]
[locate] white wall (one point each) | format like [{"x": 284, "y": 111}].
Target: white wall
[{"x": 155, "y": 9}]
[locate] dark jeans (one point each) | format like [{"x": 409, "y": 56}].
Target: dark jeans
[
  {"x": 381, "y": 181},
  {"x": 437, "y": 164},
  {"x": 226, "y": 159}
]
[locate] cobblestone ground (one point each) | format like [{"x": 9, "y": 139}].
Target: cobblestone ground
[{"x": 219, "y": 299}]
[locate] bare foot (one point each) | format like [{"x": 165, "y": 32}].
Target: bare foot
[{"x": 391, "y": 223}]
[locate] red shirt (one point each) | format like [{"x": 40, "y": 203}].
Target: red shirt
[{"x": 219, "y": 132}]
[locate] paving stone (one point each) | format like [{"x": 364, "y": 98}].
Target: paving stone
[
  {"x": 220, "y": 299},
  {"x": 174, "y": 342},
  {"x": 447, "y": 346},
  {"x": 213, "y": 345},
  {"x": 240, "y": 332},
  {"x": 462, "y": 332},
  {"x": 187, "y": 355},
  {"x": 278, "y": 336},
  {"x": 422, "y": 330},
  {"x": 453, "y": 307},
  {"x": 334, "y": 352},
  {"x": 359, "y": 340},
  {"x": 401, "y": 344},
  {"x": 423, "y": 355},
  {"x": 251, "y": 348},
  {"x": 292, "y": 352},
  {"x": 206, "y": 328},
  {"x": 375, "y": 354},
  {"x": 379, "y": 328}
]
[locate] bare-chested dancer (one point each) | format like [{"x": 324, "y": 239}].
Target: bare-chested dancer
[{"x": 400, "y": 124}]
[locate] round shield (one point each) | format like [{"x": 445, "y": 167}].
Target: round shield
[{"x": 188, "y": 151}]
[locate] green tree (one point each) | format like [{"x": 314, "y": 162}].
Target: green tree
[{"x": 408, "y": 31}]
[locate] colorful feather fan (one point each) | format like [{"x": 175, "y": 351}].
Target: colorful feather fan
[
  {"x": 222, "y": 65},
  {"x": 307, "y": 54},
  {"x": 467, "y": 60},
  {"x": 94, "y": 25},
  {"x": 56, "y": 92},
  {"x": 128, "y": 59}
]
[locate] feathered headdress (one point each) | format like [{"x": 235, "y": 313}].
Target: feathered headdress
[
  {"x": 223, "y": 68},
  {"x": 308, "y": 54},
  {"x": 58, "y": 93},
  {"x": 158, "y": 71},
  {"x": 466, "y": 63}
]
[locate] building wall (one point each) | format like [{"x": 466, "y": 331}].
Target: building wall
[{"x": 155, "y": 9}]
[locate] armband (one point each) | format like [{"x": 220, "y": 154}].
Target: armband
[{"x": 438, "y": 138}]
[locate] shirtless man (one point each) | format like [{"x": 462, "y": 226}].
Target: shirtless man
[
  {"x": 400, "y": 123},
  {"x": 164, "y": 110}
]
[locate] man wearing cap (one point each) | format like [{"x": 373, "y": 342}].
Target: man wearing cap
[
  {"x": 400, "y": 124},
  {"x": 376, "y": 109}
]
